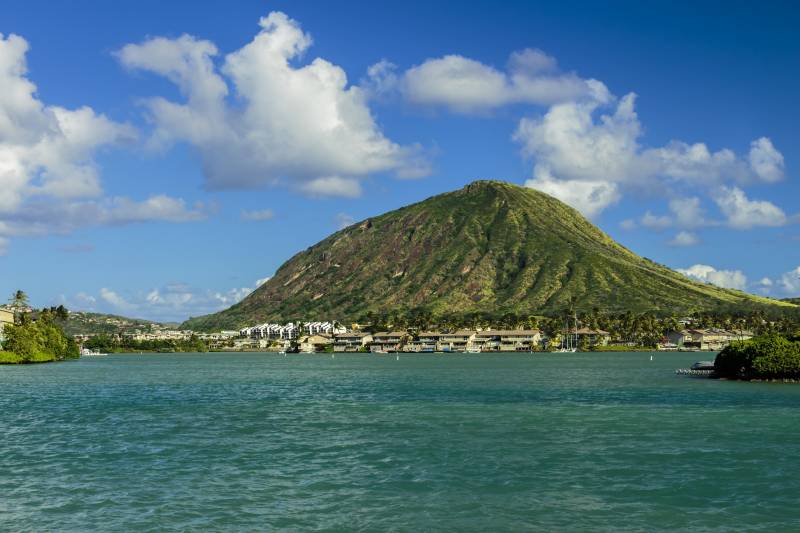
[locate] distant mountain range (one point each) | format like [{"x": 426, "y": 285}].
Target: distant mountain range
[
  {"x": 96, "y": 323},
  {"x": 492, "y": 247}
]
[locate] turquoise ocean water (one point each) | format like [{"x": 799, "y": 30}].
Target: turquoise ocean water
[{"x": 506, "y": 442}]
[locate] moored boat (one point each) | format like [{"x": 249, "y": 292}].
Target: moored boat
[{"x": 86, "y": 352}]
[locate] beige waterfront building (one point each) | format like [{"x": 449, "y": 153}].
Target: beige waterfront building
[
  {"x": 388, "y": 341},
  {"x": 712, "y": 339},
  {"x": 352, "y": 341},
  {"x": 506, "y": 340},
  {"x": 6, "y": 318}
]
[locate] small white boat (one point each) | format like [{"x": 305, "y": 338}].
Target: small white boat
[
  {"x": 86, "y": 352},
  {"x": 473, "y": 350}
]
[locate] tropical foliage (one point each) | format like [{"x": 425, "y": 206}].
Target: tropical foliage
[
  {"x": 113, "y": 343},
  {"x": 38, "y": 340},
  {"x": 766, "y": 357}
]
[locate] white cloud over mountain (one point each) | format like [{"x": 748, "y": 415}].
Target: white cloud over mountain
[
  {"x": 299, "y": 124},
  {"x": 730, "y": 279},
  {"x": 572, "y": 147},
  {"x": 587, "y": 148}
]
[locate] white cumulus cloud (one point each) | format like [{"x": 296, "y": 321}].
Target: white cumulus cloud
[
  {"x": 790, "y": 282},
  {"x": 171, "y": 302},
  {"x": 656, "y": 222},
  {"x": 688, "y": 213},
  {"x": 684, "y": 238},
  {"x": 730, "y": 279},
  {"x": 49, "y": 180},
  {"x": 587, "y": 196},
  {"x": 342, "y": 220},
  {"x": 281, "y": 122},
  {"x": 465, "y": 85},
  {"x": 333, "y": 186},
  {"x": 116, "y": 301},
  {"x": 46, "y": 150},
  {"x": 571, "y": 146},
  {"x": 766, "y": 160},
  {"x": 743, "y": 213}
]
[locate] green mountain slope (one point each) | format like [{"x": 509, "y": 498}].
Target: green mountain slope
[{"x": 491, "y": 247}]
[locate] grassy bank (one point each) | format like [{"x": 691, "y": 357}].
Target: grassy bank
[
  {"x": 622, "y": 349},
  {"x": 10, "y": 358}
]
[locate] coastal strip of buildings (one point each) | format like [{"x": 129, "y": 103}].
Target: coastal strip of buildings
[
  {"x": 326, "y": 336},
  {"x": 322, "y": 336}
]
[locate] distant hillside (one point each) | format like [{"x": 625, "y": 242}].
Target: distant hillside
[
  {"x": 795, "y": 301},
  {"x": 96, "y": 323},
  {"x": 491, "y": 247}
]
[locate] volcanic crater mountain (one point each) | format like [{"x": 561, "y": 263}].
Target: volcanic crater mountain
[{"x": 491, "y": 247}]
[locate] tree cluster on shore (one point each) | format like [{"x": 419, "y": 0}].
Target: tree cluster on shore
[
  {"x": 770, "y": 356},
  {"x": 117, "y": 344},
  {"x": 39, "y": 340},
  {"x": 642, "y": 329}
]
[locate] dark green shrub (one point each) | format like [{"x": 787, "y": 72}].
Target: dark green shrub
[{"x": 769, "y": 356}]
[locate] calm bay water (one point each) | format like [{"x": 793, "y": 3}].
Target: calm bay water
[{"x": 511, "y": 442}]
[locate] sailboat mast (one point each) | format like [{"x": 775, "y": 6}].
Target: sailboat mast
[{"x": 575, "y": 344}]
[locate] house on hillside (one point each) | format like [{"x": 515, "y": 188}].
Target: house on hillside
[
  {"x": 591, "y": 337},
  {"x": 271, "y": 331},
  {"x": 351, "y": 341},
  {"x": 324, "y": 328}
]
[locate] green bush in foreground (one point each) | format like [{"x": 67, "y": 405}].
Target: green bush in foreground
[{"x": 766, "y": 357}]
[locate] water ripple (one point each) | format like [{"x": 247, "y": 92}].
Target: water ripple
[{"x": 471, "y": 443}]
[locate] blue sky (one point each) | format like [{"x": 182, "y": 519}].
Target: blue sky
[{"x": 158, "y": 159}]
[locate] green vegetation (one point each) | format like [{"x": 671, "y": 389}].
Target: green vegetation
[
  {"x": 618, "y": 348},
  {"x": 492, "y": 248},
  {"x": 765, "y": 357},
  {"x": 10, "y": 358},
  {"x": 113, "y": 344},
  {"x": 40, "y": 340}
]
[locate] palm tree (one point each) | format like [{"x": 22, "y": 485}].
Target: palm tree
[
  {"x": 19, "y": 300},
  {"x": 19, "y": 304}
]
